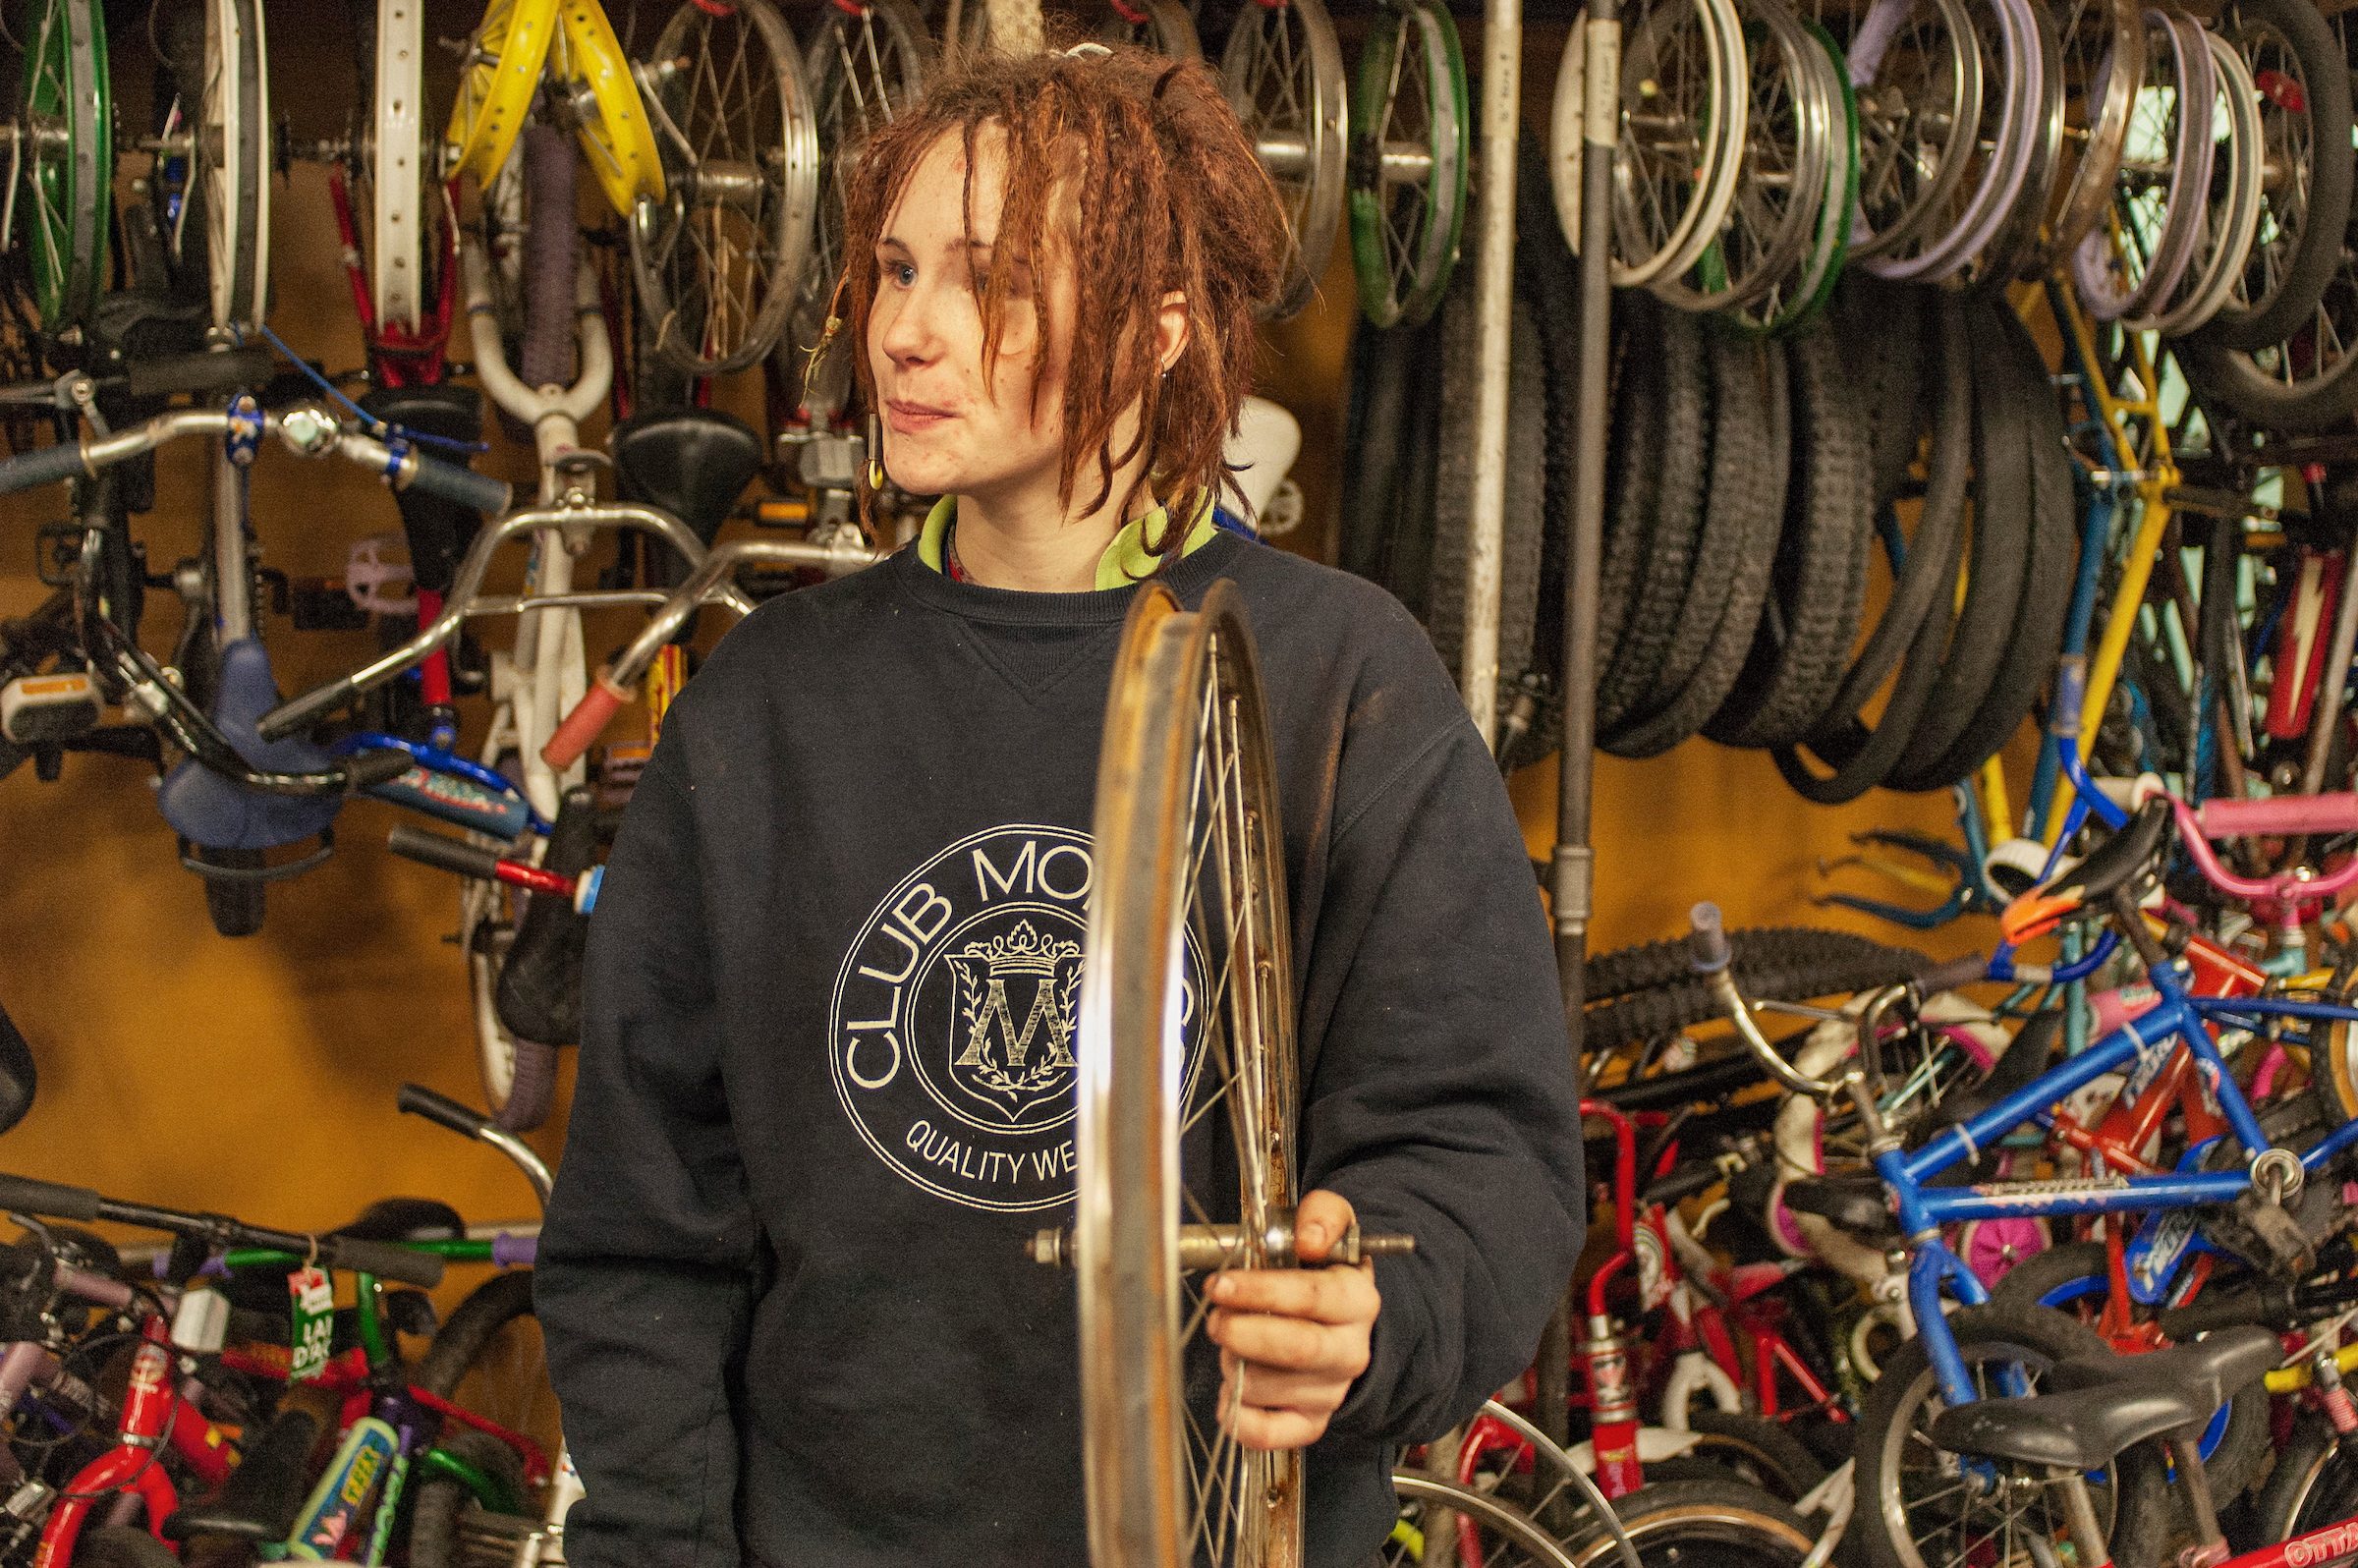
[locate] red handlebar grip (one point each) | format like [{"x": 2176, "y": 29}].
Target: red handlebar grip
[
  {"x": 2279, "y": 815},
  {"x": 584, "y": 724}
]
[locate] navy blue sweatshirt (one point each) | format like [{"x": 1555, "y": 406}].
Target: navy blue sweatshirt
[{"x": 783, "y": 1283}]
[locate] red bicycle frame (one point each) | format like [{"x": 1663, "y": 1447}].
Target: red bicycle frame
[{"x": 153, "y": 1414}]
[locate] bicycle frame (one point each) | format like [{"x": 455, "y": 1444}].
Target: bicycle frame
[
  {"x": 153, "y": 1412},
  {"x": 2178, "y": 1016}
]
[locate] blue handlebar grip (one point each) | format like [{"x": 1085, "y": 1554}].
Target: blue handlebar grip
[
  {"x": 2071, "y": 695},
  {"x": 1709, "y": 941},
  {"x": 452, "y": 482},
  {"x": 44, "y": 464}
]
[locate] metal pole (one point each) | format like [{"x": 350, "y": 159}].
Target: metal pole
[
  {"x": 1571, "y": 878},
  {"x": 1493, "y": 339}
]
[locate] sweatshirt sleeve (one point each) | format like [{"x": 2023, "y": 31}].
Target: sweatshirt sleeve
[
  {"x": 645, "y": 1279},
  {"x": 1442, "y": 1099}
]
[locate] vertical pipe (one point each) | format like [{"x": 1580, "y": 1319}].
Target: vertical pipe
[
  {"x": 1570, "y": 879},
  {"x": 1493, "y": 341},
  {"x": 233, "y": 573}
]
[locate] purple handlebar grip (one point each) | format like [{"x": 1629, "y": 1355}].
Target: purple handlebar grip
[
  {"x": 2279, "y": 815},
  {"x": 514, "y": 1252}
]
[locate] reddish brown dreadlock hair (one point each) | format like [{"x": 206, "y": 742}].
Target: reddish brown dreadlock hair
[{"x": 1168, "y": 195}]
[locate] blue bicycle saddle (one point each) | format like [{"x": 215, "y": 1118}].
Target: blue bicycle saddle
[{"x": 207, "y": 809}]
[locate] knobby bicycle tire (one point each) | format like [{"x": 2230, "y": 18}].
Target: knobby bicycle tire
[
  {"x": 1666, "y": 1009},
  {"x": 2030, "y": 652},
  {"x": 1647, "y": 965},
  {"x": 1921, "y": 609},
  {"x": 2324, "y": 99},
  {"x": 2001, "y": 503},
  {"x": 1759, "y": 501},
  {"x": 1377, "y": 377},
  {"x": 457, "y": 1346},
  {"x": 1887, "y": 333},
  {"x": 437, "y": 1502},
  {"x": 1821, "y": 572},
  {"x": 549, "y": 182},
  {"x": 1546, "y": 275},
  {"x": 1635, "y": 454},
  {"x": 1668, "y": 560}
]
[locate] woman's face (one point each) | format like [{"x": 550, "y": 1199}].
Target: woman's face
[{"x": 946, "y": 430}]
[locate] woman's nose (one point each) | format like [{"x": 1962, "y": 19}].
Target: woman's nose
[{"x": 910, "y": 335}]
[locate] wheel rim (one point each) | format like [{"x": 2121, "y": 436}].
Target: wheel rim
[
  {"x": 1408, "y": 185},
  {"x": 1284, "y": 74},
  {"x": 2231, "y": 221},
  {"x": 396, "y": 172},
  {"x": 232, "y": 143},
  {"x": 2289, "y": 134},
  {"x": 496, "y": 81},
  {"x": 619, "y": 139},
  {"x": 1186, "y": 928},
  {"x": 1923, "y": 1496},
  {"x": 864, "y": 69},
  {"x": 1682, "y": 130},
  {"x": 1501, "y": 1535},
  {"x": 718, "y": 258},
  {"x": 2137, "y": 258},
  {"x": 1918, "y": 71},
  {"x": 2103, "y": 59},
  {"x": 69, "y": 125}
]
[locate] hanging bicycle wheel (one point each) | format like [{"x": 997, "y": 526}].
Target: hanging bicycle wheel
[
  {"x": 497, "y": 78},
  {"x": 2142, "y": 251},
  {"x": 2296, "y": 61},
  {"x": 1284, "y": 74},
  {"x": 1162, "y": 25},
  {"x": 233, "y": 157},
  {"x": 398, "y": 175},
  {"x": 1408, "y": 173},
  {"x": 1185, "y": 1011},
  {"x": 1917, "y": 70},
  {"x": 2229, "y": 221},
  {"x": 1953, "y": 231},
  {"x": 864, "y": 67},
  {"x": 2103, "y": 60},
  {"x": 718, "y": 257},
  {"x": 69, "y": 159},
  {"x": 588, "y": 67}
]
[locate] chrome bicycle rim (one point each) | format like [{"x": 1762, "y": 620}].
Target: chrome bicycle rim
[{"x": 1282, "y": 73}]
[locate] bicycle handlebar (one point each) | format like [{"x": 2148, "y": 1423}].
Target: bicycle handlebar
[
  {"x": 1966, "y": 971},
  {"x": 386, "y": 1260},
  {"x": 473, "y": 859},
  {"x": 418, "y": 1101},
  {"x": 2278, "y": 816}
]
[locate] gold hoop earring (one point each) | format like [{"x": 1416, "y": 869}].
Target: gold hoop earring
[{"x": 875, "y": 474}]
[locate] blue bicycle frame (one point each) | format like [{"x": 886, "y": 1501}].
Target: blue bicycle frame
[{"x": 2179, "y": 1017}]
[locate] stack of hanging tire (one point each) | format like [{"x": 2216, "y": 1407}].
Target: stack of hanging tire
[{"x": 1750, "y": 483}]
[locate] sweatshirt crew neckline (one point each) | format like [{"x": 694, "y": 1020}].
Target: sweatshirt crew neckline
[{"x": 1189, "y": 576}]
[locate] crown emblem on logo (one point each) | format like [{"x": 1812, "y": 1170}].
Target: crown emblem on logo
[{"x": 1022, "y": 951}]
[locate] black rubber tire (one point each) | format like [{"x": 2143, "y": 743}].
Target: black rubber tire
[
  {"x": 2315, "y": 1482},
  {"x": 438, "y": 1503},
  {"x": 546, "y": 358},
  {"x": 236, "y": 907},
  {"x": 2227, "y": 380},
  {"x": 1647, "y": 965},
  {"x": 1889, "y": 335},
  {"x": 1699, "y": 1524},
  {"x": 1760, "y": 1453},
  {"x": 1820, "y": 570},
  {"x": 1546, "y": 275},
  {"x": 2140, "y": 1492},
  {"x": 1634, "y": 457},
  {"x": 2326, "y": 99},
  {"x": 2029, "y": 653},
  {"x": 1379, "y": 390},
  {"x": 1651, "y": 1014},
  {"x": 1920, "y": 610},
  {"x": 460, "y": 1342},
  {"x": 1672, "y": 537},
  {"x": 1758, "y": 504},
  {"x": 121, "y": 1546},
  {"x": 1998, "y": 558},
  {"x": 531, "y": 1087}
]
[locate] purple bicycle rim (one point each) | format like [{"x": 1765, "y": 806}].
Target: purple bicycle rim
[
  {"x": 2002, "y": 183},
  {"x": 1884, "y": 21}
]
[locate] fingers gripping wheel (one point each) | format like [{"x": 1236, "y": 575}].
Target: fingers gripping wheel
[
  {"x": 1190, "y": 898},
  {"x": 2116, "y": 866}
]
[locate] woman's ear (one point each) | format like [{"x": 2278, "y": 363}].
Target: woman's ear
[{"x": 1170, "y": 329}]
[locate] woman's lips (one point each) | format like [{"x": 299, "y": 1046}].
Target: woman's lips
[{"x": 911, "y": 418}]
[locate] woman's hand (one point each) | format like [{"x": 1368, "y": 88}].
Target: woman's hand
[{"x": 1296, "y": 1337}]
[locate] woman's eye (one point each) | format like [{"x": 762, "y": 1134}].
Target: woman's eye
[{"x": 900, "y": 273}]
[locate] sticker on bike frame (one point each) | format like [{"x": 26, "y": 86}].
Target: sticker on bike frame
[
  {"x": 368, "y": 1447},
  {"x": 315, "y": 1317}
]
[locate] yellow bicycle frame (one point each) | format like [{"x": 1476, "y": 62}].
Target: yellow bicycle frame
[{"x": 573, "y": 43}]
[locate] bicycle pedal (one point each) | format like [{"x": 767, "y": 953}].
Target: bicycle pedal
[{"x": 45, "y": 709}]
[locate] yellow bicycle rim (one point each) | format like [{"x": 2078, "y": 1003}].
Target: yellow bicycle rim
[
  {"x": 497, "y": 82},
  {"x": 619, "y": 142}
]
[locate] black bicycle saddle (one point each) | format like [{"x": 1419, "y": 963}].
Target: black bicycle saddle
[{"x": 693, "y": 463}]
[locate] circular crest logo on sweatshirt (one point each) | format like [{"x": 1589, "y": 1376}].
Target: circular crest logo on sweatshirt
[{"x": 955, "y": 1017}]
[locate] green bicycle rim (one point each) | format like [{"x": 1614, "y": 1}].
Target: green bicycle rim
[
  {"x": 66, "y": 89},
  {"x": 1833, "y": 231},
  {"x": 1368, "y": 261}
]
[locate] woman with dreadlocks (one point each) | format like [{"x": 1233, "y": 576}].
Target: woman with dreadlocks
[{"x": 787, "y": 1301}]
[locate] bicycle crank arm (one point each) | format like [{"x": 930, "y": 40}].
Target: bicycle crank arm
[{"x": 1206, "y": 1249}]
